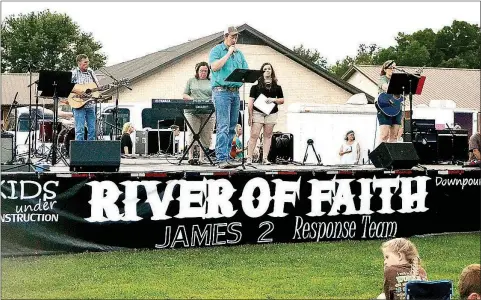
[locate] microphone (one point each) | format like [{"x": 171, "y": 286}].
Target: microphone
[
  {"x": 420, "y": 70},
  {"x": 399, "y": 69},
  {"x": 235, "y": 50}
]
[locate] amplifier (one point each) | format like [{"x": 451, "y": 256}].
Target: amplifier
[
  {"x": 453, "y": 145},
  {"x": 7, "y": 150},
  {"x": 426, "y": 147},
  {"x": 282, "y": 147},
  {"x": 147, "y": 141}
]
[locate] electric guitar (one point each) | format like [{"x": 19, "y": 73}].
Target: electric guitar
[
  {"x": 90, "y": 92},
  {"x": 389, "y": 105}
]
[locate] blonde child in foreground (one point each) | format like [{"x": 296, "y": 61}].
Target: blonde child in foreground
[{"x": 401, "y": 264}]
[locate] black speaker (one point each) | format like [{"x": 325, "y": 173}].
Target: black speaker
[
  {"x": 394, "y": 155},
  {"x": 94, "y": 156},
  {"x": 282, "y": 147},
  {"x": 7, "y": 148}
]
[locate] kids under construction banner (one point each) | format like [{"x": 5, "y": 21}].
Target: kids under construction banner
[{"x": 101, "y": 212}]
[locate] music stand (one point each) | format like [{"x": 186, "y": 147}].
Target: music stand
[
  {"x": 402, "y": 83},
  {"x": 55, "y": 84},
  {"x": 244, "y": 75}
]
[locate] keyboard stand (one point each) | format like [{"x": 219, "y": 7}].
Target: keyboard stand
[{"x": 196, "y": 137}]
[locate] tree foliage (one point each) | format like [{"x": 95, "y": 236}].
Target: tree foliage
[
  {"x": 365, "y": 56},
  {"x": 454, "y": 46},
  {"x": 45, "y": 41},
  {"x": 312, "y": 56}
]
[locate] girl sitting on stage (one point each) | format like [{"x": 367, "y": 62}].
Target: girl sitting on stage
[{"x": 350, "y": 151}]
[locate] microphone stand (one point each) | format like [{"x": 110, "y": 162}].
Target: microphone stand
[
  {"x": 410, "y": 100},
  {"x": 116, "y": 109},
  {"x": 29, "y": 161},
  {"x": 36, "y": 112},
  {"x": 14, "y": 104},
  {"x": 451, "y": 131}
]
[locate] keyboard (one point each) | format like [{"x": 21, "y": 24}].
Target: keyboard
[{"x": 184, "y": 104}]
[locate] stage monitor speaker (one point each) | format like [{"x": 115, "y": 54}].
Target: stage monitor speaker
[
  {"x": 94, "y": 156},
  {"x": 16, "y": 168},
  {"x": 7, "y": 148},
  {"x": 394, "y": 155},
  {"x": 282, "y": 147}
]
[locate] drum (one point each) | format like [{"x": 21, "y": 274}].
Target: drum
[
  {"x": 65, "y": 136},
  {"x": 46, "y": 130}
]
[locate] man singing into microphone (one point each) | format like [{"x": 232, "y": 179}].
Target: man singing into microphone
[{"x": 223, "y": 59}]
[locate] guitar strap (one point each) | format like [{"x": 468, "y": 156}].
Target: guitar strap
[{"x": 93, "y": 78}]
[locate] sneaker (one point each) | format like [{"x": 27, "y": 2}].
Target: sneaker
[
  {"x": 266, "y": 162},
  {"x": 234, "y": 163},
  {"x": 248, "y": 161},
  {"x": 225, "y": 165}
]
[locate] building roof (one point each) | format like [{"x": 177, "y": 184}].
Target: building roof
[
  {"x": 18, "y": 82},
  {"x": 460, "y": 85},
  {"x": 138, "y": 68}
]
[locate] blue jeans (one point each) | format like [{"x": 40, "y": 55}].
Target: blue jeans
[
  {"x": 227, "y": 104},
  {"x": 82, "y": 115}
]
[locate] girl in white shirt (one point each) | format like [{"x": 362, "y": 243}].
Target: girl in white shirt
[{"x": 350, "y": 151}]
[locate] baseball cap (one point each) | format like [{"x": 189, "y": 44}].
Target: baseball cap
[{"x": 231, "y": 30}]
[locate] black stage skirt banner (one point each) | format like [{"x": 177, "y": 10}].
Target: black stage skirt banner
[{"x": 101, "y": 212}]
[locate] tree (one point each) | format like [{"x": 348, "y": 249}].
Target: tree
[
  {"x": 365, "y": 56},
  {"x": 312, "y": 56},
  {"x": 455, "y": 46},
  {"x": 45, "y": 41},
  {"x": 459, "y": 45}
]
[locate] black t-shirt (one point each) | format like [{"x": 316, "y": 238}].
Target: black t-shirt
[
  {"x": 274, "y": 92},
  {"x": 126, "y": 141}
]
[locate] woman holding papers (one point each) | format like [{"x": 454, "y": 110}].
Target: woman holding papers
[{"x": 264, "y": 98}]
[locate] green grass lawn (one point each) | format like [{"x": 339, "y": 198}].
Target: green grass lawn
[{"x": 350, "y": 269}]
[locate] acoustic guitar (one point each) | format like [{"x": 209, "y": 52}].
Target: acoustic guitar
[
  {"x": 233, "y": 150},
  {"x": 389, "y": 105},
  {"x": 90, "y": 92}
]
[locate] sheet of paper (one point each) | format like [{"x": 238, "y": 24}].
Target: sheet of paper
[{"x": 262, "y": 105}]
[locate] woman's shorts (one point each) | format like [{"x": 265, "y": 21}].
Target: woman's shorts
[
  {"x": 386, "y": 120},
  {"x": 262, "y": 118}
]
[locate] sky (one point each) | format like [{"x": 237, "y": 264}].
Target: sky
[{"x": 129, "y": 30}]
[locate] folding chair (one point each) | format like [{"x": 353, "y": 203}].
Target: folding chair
[{"x": 437, "y": 289}]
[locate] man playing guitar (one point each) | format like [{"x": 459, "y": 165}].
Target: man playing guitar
[
  {"x": 83, "y": 75},
  {"x": 389, "y": 106}
]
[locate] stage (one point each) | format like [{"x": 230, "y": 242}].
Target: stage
[
  {"x": 154, "y": 203},
  {"x": 170, "y": 164}
]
